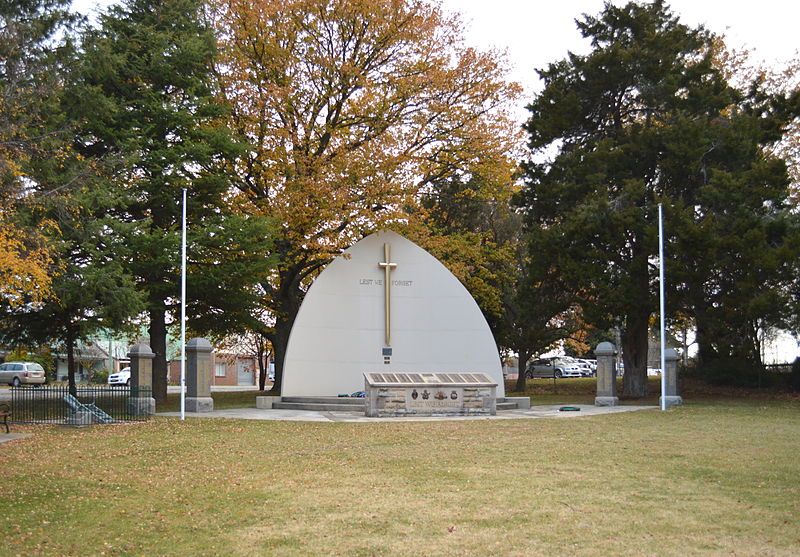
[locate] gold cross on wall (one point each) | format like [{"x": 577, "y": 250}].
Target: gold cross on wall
[{"x": 387, "y": 267}]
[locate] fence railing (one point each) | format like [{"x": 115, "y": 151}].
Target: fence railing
[
  {"x": 779, "y": 368},
  {"x": 90, "y": 405}
]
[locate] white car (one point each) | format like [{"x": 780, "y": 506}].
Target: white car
[
  {"x": 590, "y": 366},
  {"x": 122, "y": 377},
  {"x": 586, "y": 369}
]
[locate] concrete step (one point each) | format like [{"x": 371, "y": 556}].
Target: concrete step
[
  {"x": 355, "y": 404},
  {"x": 354, "y": 401},
  {"x": 513, "y": 403},
  {"x": 320, "y": 406}
]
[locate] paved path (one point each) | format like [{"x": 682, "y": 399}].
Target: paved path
[
  {"x": 312, "y": 416},
  {"x": 11, "y": 436}
]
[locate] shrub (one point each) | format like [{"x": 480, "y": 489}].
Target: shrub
[
  {"x": 735, "y": 372},
  {"x": 100, "y": 376}
]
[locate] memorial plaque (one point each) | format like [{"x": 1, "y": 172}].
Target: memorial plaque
[{"x": 429, "y": 394}]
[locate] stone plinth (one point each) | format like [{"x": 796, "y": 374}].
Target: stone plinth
[
  {"x": 266, "y": 402},
  {"x": 429, "y": 394},
  {"x": 141, "y": 401},
  {"x": 606, "y": 375},
  {"x": 671, "y": 396},
  {"x": 198, "y": 376}
]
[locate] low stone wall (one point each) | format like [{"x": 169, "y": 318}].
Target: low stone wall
[{"x": 430, "y": 400}]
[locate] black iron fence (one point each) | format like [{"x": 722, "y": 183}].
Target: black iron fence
[
  {"x": 779, "y": 368},
  {"x": 89, "y": 405}
]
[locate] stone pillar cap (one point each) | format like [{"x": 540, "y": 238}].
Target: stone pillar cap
[
  {"x": 199, "y": 345},
  {"x": 605, "y": 349},
  {"x": 140, "y": 351},
  {"x": 671, "y": 354}
]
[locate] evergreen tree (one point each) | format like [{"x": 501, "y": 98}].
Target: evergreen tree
[
  {"x": 148, "y": 105},
  {"x": 647, "y": 118},
  {"x": 91, "y": 290},
  {"x": 34, "y": 48}
]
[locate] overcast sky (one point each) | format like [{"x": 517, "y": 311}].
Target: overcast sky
[{"x": 535, "y": 33}]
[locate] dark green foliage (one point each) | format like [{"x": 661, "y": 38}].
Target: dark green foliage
[
  {"x": 34, "y": 48},
  {"x": 91, "y": 290},
  {"x": 146, "y": 95},
  {"x": 49, "y": 190},
  {"x": 646, "y": 118}
]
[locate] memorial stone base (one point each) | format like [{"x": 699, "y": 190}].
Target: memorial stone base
[
  {"x": 79, "y": 418},
  {"x": 606, "y": 401},
  {"x": 403, "y": 395},
  {"x": 140, "y": 406},
  {"x": 670, "y": 401},
  {"x": 199, "y": 404}
]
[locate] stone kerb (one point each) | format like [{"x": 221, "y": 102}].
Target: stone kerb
[
  {"x": 198, "y": 376},
  {"x": 141, "y": 358},
  {"x": 606, "y": 375},
  {"x": 671, "y": 396}
]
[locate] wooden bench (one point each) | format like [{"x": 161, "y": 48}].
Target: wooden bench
[{"x": 5, "y": 413}]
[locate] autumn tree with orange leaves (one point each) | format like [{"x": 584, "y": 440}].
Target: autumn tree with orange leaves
[{"x": 353, "y": 109}]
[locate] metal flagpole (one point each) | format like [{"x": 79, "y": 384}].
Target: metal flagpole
[
  {"x": 183, "y": 309},
  {"x": 661, "y": 297}
]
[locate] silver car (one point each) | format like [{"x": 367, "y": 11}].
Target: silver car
[
  {"x": 21, "y": 373},
  {"x": 552, "y": 367}
]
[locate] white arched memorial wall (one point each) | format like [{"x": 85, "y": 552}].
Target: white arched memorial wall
[{"x": 340, "y": 334}]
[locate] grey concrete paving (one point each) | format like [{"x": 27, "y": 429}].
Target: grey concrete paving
[
  {"x": 311, "y": 416},
  {"x": 4, "y": 437}
]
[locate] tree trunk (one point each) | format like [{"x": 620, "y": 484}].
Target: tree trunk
[
  {"x": 280, "y": 340},
  {"x": 70, "y": 342},
  {"x": 262, "y": 364},
  {"x": 524, "y": 356},
  {"x": 634, "y": 354},
  {"x": 288, "y": 298},
  {"x": 158, "y": 344}
]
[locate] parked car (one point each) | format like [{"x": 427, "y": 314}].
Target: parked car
[
  {"x": 589, "y": 367},
  {"x": 21, "y": 373},
  {"x": 552, "y": 367},
  {"x": 586, "y": 369},
  {"x": 122, "y": 377}
]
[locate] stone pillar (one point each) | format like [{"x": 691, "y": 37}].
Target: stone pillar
[
  {"x": 141, "y": 401},
  {"x": 671, "y": 397},
  {"x": 198, "y": 376},
  {"x": 606, "y": 375}
]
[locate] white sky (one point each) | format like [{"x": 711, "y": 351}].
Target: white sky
[{"x": 535, "y": 33}]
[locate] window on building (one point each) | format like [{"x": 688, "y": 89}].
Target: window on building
[{"x": 219, "y": 370}]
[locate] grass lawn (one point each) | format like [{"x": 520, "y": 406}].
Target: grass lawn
[{"x": 715, "y": 476}]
